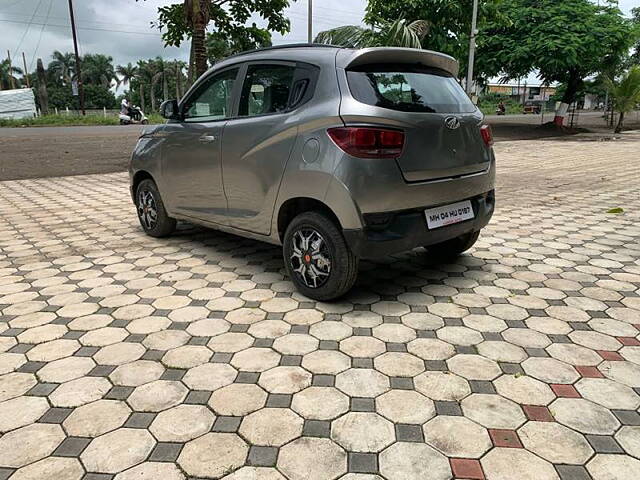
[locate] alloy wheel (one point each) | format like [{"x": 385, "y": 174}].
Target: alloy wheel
[
  {"x": 147, "y": 209},
  {"x": 310, "y": 258}
]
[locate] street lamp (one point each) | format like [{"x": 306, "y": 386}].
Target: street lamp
[{"x": 472, "y": 46}]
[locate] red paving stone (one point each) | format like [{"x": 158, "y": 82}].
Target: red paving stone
[
  {"x": 611, "y": 356},
  {"x": 537, "y": 413},
  {"x": 505, "y": 438},
  {"x": 629, "y": 341},
  {"x": 589, "y": 372},
  {"x": 467, "y": 468},
  {"x": 565, "y": 391}
]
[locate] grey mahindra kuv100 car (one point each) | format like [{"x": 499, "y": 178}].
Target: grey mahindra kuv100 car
[{"x": 336, "y": 154}]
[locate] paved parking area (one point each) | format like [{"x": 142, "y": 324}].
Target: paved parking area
[{"x": 130, "y": 358}]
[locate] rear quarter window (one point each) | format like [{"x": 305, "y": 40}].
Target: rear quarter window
[{"x": 408, "y": 88}]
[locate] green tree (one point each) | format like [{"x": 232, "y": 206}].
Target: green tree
[
  {"x": 220, "y": 45},
  {"x": 635, "y": 19},
  {"x": 97, "y": 69},
  {"x": 564, "y": 42},
  {"x": 449, "y": 21},
  {"x": 126, "y": 73},
  {"x": 190, "y": 18},
  {"x": 8, "y": 75},
  {"x": 625, "y": 93},
  {"x": 63, "y": 66},
  {"x": 399, "y": 33}
]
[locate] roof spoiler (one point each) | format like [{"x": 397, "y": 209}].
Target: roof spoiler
[{"x": 428, "y": 58}]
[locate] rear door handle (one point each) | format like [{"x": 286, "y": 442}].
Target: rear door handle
[{"x": 207, "y": 138}]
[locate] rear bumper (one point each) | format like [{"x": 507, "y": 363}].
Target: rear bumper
[{"x": 394, "y": 232}]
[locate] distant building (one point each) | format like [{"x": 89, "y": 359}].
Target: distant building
[
  {"x": 18, "y": 103},
  {"x": 522, "y": 93}
]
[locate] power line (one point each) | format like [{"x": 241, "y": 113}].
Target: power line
[
  {"x": 83, "y": 28},
  {"x": 29, "y": 23},
  {"x": 35, "y": 52}
]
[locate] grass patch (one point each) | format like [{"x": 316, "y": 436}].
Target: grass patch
[{"x": 69, "y": 120}]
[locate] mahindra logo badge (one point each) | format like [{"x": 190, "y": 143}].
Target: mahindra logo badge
[{"x": 452, "y": 123}]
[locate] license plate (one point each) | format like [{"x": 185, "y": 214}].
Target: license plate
[{"x": 449, "y": 214}]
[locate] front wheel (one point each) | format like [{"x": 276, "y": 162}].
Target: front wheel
[
  {"x": 317, "y": 257},
  {"x": 453, "y": 247},
  {"x": 151, "y": 212}
]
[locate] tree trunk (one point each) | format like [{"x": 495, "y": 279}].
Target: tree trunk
[
  {"x": 192, "y": 67},
  {"x": 142, "y": 102},
  {"x": 574, "y": 83},
  {"x": 620, "y": 122},
  {"x": 199, "y": 49},
  {"x": 43, "y": 96},
  {"x": 178, "y": 81},
  {"x": 165, "y": 87}
]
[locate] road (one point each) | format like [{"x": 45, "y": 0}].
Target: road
[{"x": 59, "y": 151}]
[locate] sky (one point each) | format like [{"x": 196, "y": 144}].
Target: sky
[{"x": 122, "y": 28}]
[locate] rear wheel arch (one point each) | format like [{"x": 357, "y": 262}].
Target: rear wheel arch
[
  {"x": 295, "y": 206},
  {"x": 138, "y": 177}
]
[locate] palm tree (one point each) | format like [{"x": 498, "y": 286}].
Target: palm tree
[
  {"x": 7, "y": 77},
  {"x": 399, "y": 33},
  {"x": 625, "y": 93},
  {"x": 127, "y": 73},
  {"x": 97, "y": 69},
  {"x": 62, "y": 66},
  {"x": 197, "y": 18}
]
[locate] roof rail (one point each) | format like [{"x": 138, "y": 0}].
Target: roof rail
[{"x": 284, "y": 46}]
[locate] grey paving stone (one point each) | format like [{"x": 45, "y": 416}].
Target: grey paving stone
[
  {"x": 101, "y": 371},
  {"x": 426, "y": 334},
  {"x": 291, "y": 360},
  {"x": 604, "y": 444},
  {"x": 448, "y": 408},
  {"x": 226, "y": 424},
  {"x": 239, "y": 328},
  {"x": 247, "y": 377},
  {"x": 71, "y": 447},
  {"x": 55, "y": 415},
  {"x": 436, "y": 365},
  {"x": 279, "y": 400},
  {"x": 73, "y": 335},
  {"x": 42, "y": 389},
  {"x": 21, "y": 348},
  {"x": 174, "y": 374},
  {"x": 317, "y": 428},
  {"x": 197, "y": 397},
  {"x": 31, "y": 367},
  {"x": 572, "y": 472},
  {"x": 140, "y": 420},
  {"x": 627, "y": 417},
  {"x": 481, "y": 386},
  {"x": 511, "y": 368},
  {"x": 328, "y": 345},
  {"x": 263, "y": 342},
  {"x": 409, "y": 433},
  {"x": 466, "y": 350},
  {"x": 362, "y": 462},
  {"x": 536, "y": 352},
  {"x": 303, "y": 329},
  {"x": 5, "y": 473},
  {"x": 401, "y": 383},
  {"x": 221, "y": 357},
  {"x": 98, "y": 476},
  {"x": 260, "y": 456},
  {"x": 359, "y": 362},
  {"x": 86, "y": 352},
  {"x": 165, "y": 452},
  {"x": 154, "y": 355},
  {"x": 134, "y": 338},
  {"x": 119, "y": 393},
  {"x": 396, "y": 347},
  {"x": 361, "y": 404},
  {"x": 323, "y": 380}
]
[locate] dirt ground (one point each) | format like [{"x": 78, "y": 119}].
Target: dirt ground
[{"x": 60, "y": 151}]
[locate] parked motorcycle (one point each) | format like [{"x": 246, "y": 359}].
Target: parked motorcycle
[{"x": 134, "y": 115}]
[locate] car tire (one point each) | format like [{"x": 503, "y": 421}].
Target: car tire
[
  {"x": 326, "y": 253},
  {"x": 152, "y": 215},
  {"x": 453, "y": 247},
  {"x": 145, "y": 122}
]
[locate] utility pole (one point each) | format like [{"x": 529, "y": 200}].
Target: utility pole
[
  {"x": 472, "y": 46},
  {"x": 26, "y": 73},
  {"x": 75, "y": 47},
  {"x": 13, "y": 84},
  {"x": 310, "y": 21}
]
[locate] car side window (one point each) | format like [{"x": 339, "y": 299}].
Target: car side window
[
  {"x": 213, "y": 101},
  {"x": 266, "y": 89}
]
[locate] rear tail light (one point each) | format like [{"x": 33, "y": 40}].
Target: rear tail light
[
  {"x": 368, "y": 142},
  {"x": 487, "y": 135}
]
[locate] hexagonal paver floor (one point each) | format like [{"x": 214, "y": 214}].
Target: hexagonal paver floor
[{"x": 125, "y": 357}]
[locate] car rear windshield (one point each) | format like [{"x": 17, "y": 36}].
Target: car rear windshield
[{"x": 408, "y": 88}]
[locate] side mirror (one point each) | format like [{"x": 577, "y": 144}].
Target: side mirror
[{"x": 170, "y": 110}]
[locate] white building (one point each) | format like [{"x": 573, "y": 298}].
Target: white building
[{"x": 19, "y": 103}]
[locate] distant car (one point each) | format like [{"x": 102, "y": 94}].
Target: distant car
[
  {"x": 532, "y": 107},
  {"x": 336, "y": 154}
]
